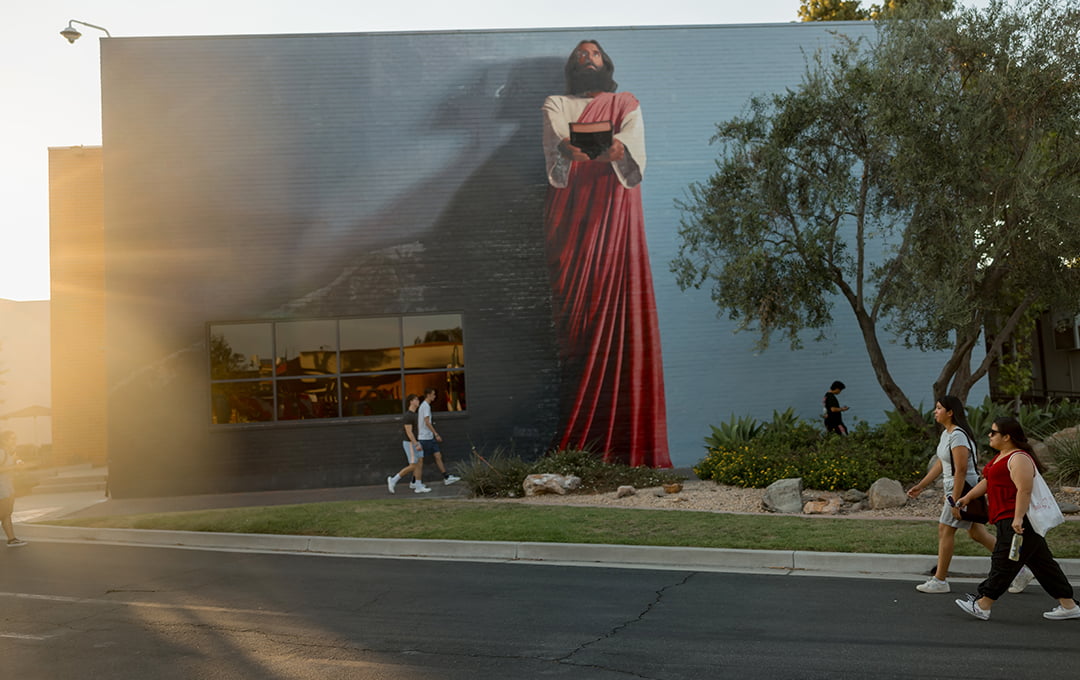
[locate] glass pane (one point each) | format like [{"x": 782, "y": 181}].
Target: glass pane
[
  {"x": 242, "y": 402},
  {"x": 433, "y": 341},
  {"x": 369, "y": 345},
  {"x": 371, "y": 395},
  {"x": 241, "y": 350},
  {"x": 449, "y": 388},
  {"x": 306, "y": 398},
  {"x": 306, "y": 347}
]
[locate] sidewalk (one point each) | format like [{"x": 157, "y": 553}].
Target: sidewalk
[{"x": 82, "y": 504}]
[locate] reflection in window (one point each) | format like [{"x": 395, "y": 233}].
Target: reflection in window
[
  {"x": 333, "y": 368},
  {"x": 370, "y": 345},
  {"x": 306, "y": 347},
  {"x": 307, "y": 398},
  {"x": 242, "y": 402},
  {"x": 240, "y": 351}
]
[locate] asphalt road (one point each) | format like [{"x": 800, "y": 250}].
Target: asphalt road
[{"x": 72, "y": 610}]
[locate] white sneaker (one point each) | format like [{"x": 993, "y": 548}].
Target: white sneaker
[
  {"x": 422, "y": 489},
  {"x": 933, "y": 585},
  {"x": 16, "y": 543},
  {"x": 970, "y": 604},
  {"x": 450, "y": 479},
  {"x": 1059, "y": 613},
  {"x": 412, "y": 484},
  {"x": 390, "y": 484},
  {"x": 1021, "y": 581}
]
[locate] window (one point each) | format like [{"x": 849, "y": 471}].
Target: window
[{"x": 280, "y": 371}]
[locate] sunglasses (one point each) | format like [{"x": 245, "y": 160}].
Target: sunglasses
[{"x": 993, "y": 432}]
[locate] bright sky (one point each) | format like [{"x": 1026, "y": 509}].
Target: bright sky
[{"x": 51, "y": 89}]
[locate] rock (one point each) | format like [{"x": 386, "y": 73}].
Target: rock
[
  {"x": 624, "y": 491},
  {"x": 672, "y": 488},
  {"x": 853, "y": 496},
  {"x": 1069, "y": 508},
  {"x": 549, "y": 482},
  {"x": 825, "y": 506},
  {"x": 887, "y": 493},
  {"x": 783, "y": 495}
]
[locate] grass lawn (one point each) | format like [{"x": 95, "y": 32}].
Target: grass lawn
[{"x": 489, "y": 521}]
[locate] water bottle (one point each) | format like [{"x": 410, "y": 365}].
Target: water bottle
[{"x": 1014, "y": 549}]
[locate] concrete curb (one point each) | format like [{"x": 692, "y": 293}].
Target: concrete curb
[{"x": 626, "y": 556}]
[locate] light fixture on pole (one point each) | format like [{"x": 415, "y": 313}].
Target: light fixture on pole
[{"x": 72, "y": 34}]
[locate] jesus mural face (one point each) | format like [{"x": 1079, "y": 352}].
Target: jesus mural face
[{"x": 589, "y": 56}]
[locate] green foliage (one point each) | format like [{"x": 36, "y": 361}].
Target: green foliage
[
  {"x": 852, "y": 10},
  {"x": 1039, "y": 422},
  {"x": 738, "y": 430},
  {"x": 1065, "y": 453},
  {"x": 498, "y": 474},
  {"x": 501, "y": 474},
  {"x": 893, "y": 449}
]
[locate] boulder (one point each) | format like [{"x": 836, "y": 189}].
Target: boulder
[
  {"x": 822, "y": 506},
  {"x": 887, "y": 493},
  {"x": 853, "y": 496},
  {"x": 624, "y": 491},
  {"x": 549, "y": 482},
  {"x": 783, "y": 495},
  {"x": 672, "y": 488},
  {"x": 1069, "y": 508}
]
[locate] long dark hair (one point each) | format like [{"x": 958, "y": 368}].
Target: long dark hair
[
  {"x": 959, "y": 418},
  {"x": 605, "y": 80},
  {"x": 1011, "y": 427}
]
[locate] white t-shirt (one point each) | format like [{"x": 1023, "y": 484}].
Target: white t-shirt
[
  {"x": 423, "y": 431},
  {"x": 948, "y": 441}
]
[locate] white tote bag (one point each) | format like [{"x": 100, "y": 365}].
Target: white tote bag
[{"x": 1043, "y": 512}]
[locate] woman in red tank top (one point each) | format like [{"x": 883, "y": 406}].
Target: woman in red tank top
[{"x": 1007, "y": 482}]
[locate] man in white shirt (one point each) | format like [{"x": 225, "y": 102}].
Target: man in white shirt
[{"x": 430, "y": 438}]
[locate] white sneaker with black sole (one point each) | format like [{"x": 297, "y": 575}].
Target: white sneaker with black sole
[{"x": 450, "y": 479}]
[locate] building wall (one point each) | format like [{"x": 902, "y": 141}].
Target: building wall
[
  {"x": 24, "y": 370},
  {"x": 77, "y": 319},
  {"x": 307, "y": 177}
]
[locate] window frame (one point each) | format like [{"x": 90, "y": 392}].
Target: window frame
[{"x": 271, "y": 375}]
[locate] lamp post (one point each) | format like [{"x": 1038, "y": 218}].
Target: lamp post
[{"x": 72, "y": 34}]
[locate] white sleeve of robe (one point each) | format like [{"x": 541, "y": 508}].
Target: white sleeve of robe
[{"x": 560, "y": 111}]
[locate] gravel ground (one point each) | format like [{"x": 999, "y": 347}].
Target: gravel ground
[{"x": 709, "y": 497}]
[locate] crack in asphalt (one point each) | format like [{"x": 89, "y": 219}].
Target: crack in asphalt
[{"x": 568, "y": 659}]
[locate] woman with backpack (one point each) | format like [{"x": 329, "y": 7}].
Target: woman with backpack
[{"x": 955, "y": 460}]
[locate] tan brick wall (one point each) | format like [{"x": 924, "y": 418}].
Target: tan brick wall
[{"x": 77, "y": 259}]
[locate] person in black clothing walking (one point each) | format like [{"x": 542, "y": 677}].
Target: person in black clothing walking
[{"x": 832, "y": 410}]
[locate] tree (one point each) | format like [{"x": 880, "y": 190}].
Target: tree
[
  {"x": 852, "y": 10},
  {"x": 929, "y": 177}
]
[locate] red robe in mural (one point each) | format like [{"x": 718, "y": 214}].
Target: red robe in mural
[{"x": 602, "y": 295}]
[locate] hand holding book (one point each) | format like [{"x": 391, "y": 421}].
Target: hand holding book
[{"x": 592, "y": 138}]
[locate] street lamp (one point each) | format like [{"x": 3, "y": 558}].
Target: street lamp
[{"x": 72, "y": 34}]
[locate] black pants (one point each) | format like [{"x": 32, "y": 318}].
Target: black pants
[{"x": 1034, "y": 553}]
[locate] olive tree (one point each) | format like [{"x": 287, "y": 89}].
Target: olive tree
[{"x": 927, "y": 179}]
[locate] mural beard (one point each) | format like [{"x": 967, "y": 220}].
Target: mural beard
[{"x": 584, "y": 80}]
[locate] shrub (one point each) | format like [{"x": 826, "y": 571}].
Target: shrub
[
  {"x": 498, "y": 474},
  {"x": 893, "y": 449},
  {"x": 502, "y": 474},
  {"x": 741, "y": 466},
  {"x": 737, "y": 431},
  {"x": 1065, "y": 452}
]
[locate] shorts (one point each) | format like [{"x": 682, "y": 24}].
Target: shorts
[
  {"x": 948, "y": 520},
  {"x": 411, "y": 453},
  {"x": 430, "y": 446}
]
